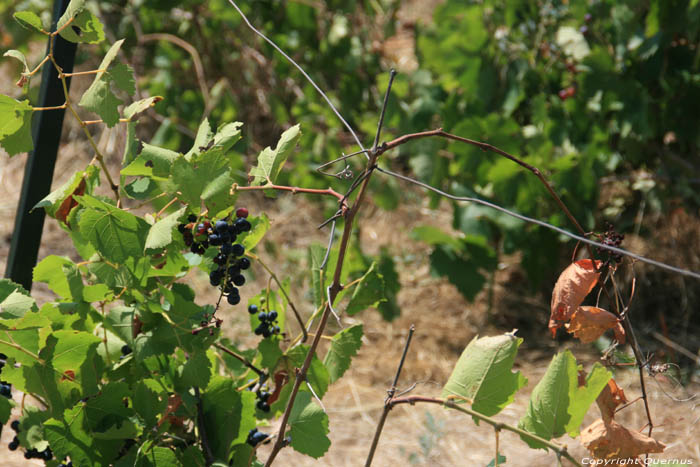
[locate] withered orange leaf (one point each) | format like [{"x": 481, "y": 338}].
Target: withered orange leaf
[
  {"x": 577, "y": 280},
  {"x": 609, "y": 398},
  {"x": 69, "y": 203},
  {"x": 610, "y": 440},
  {"x": 588, "y": 323}
]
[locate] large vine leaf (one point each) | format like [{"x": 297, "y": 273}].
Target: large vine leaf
[
  {"x": 483, "y": 374},
  {"x": 344, "y": 346},
  {"x": 61, "y": 275},
  {"x": 116, "y": 234},
  {"x": 228, "y": 415},
  {"x": 558, "y": 403},
  {"x": 270, "y": 161},
  {"x": 369, "y": 291},
  {"x": 308, "y": 427},
  {"x": 15, "y": 125},
  {"x": 99, "y": 97}
]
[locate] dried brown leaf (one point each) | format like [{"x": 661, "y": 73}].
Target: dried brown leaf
[
  {"x": 577, "y": 280},
  {"x": 610, "y": 440},
  {"x": 588, "y": 323},
  {"x": 609, "y": 398}
]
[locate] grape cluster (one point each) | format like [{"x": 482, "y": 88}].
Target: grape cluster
[
  {"x": 262, "y": 403},
  {"x": 229, "y": 260},
  {"x": 268, "y": 324},
  {"x": 612, "y": 238},
  {"x": 33, "y": 453},
  {"x": 5, "y": 387},
  {"x": 256, "y": 437}
]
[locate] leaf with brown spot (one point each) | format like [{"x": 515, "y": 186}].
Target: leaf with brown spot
[
  {"x": 69, "y": 203},
  {"x": 613, "y": 441},
  {"x": 609, "y": 398},
  {"x": 577, "y": 280},
  {"x": 588, "y": 323}
]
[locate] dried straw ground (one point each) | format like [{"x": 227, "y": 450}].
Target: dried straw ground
[{"x": 444, "y": 322}]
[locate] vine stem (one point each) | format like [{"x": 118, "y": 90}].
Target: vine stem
[
  {"x": 242, "y": 359},
  {"x": 292, "y": 189},
  {"x": 390, "y": 396},
  {"x": 335, "y": 288},
  {"x": 561, "y": 450}
]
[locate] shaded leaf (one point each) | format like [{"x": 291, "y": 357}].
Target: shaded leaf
[
  {"x": 369, "y": 291},
  {"x": 16, "y": 54}
]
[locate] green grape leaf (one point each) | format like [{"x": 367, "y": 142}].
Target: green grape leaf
[
  {"x": 74, "y": 7},
  {"x": 15, "y": 301},
  {"x": 29, "y": 20},
  {"x": 5, "y": 409},
  {"x": 123, "y": 77},
  {"x": 139, "y": 106},
  {"x": 270, "y": 161},
  {"x": 116, "y": 234},
  {"x": 99, "y": 97},
  {"x": 91, "y": 29},
  {"x": 344, "y": 346},
  {"x": 317, "y": 375},
  {"x": 149, "y": 400},
  {"x": 483, "y": 375},
  {"x": 196, "y": 371},
  {"x": 389, "y": 309},
  {"x": 96, "y": 293},
  {"x": 369, "y": 291},
  {"x": 201, "y": 140},
  {"x": 71, "y": 349},
  {"x": 227, "y": 135},
  {"x": 308, "y": 427},
  {"x": 260, "y": 226},
  {"x": 61, "y": 275},
  {"x": 160, "y": 234},
  {"x": 15, "y": 125},
  {"x": 16, "y": 305},
  {"x": 159, "y": 457},
  {"x": 16, "y": 54},
  {"x": 217, "y": 195},
  {"x": 558, "y": 403},
  {"x": 197, "y": 179},
  {"x": 228, "y": 415},
  {"x": 152, "y": 162}
]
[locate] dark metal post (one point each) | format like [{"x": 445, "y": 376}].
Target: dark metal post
[{"x": 38, "y": 173}]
